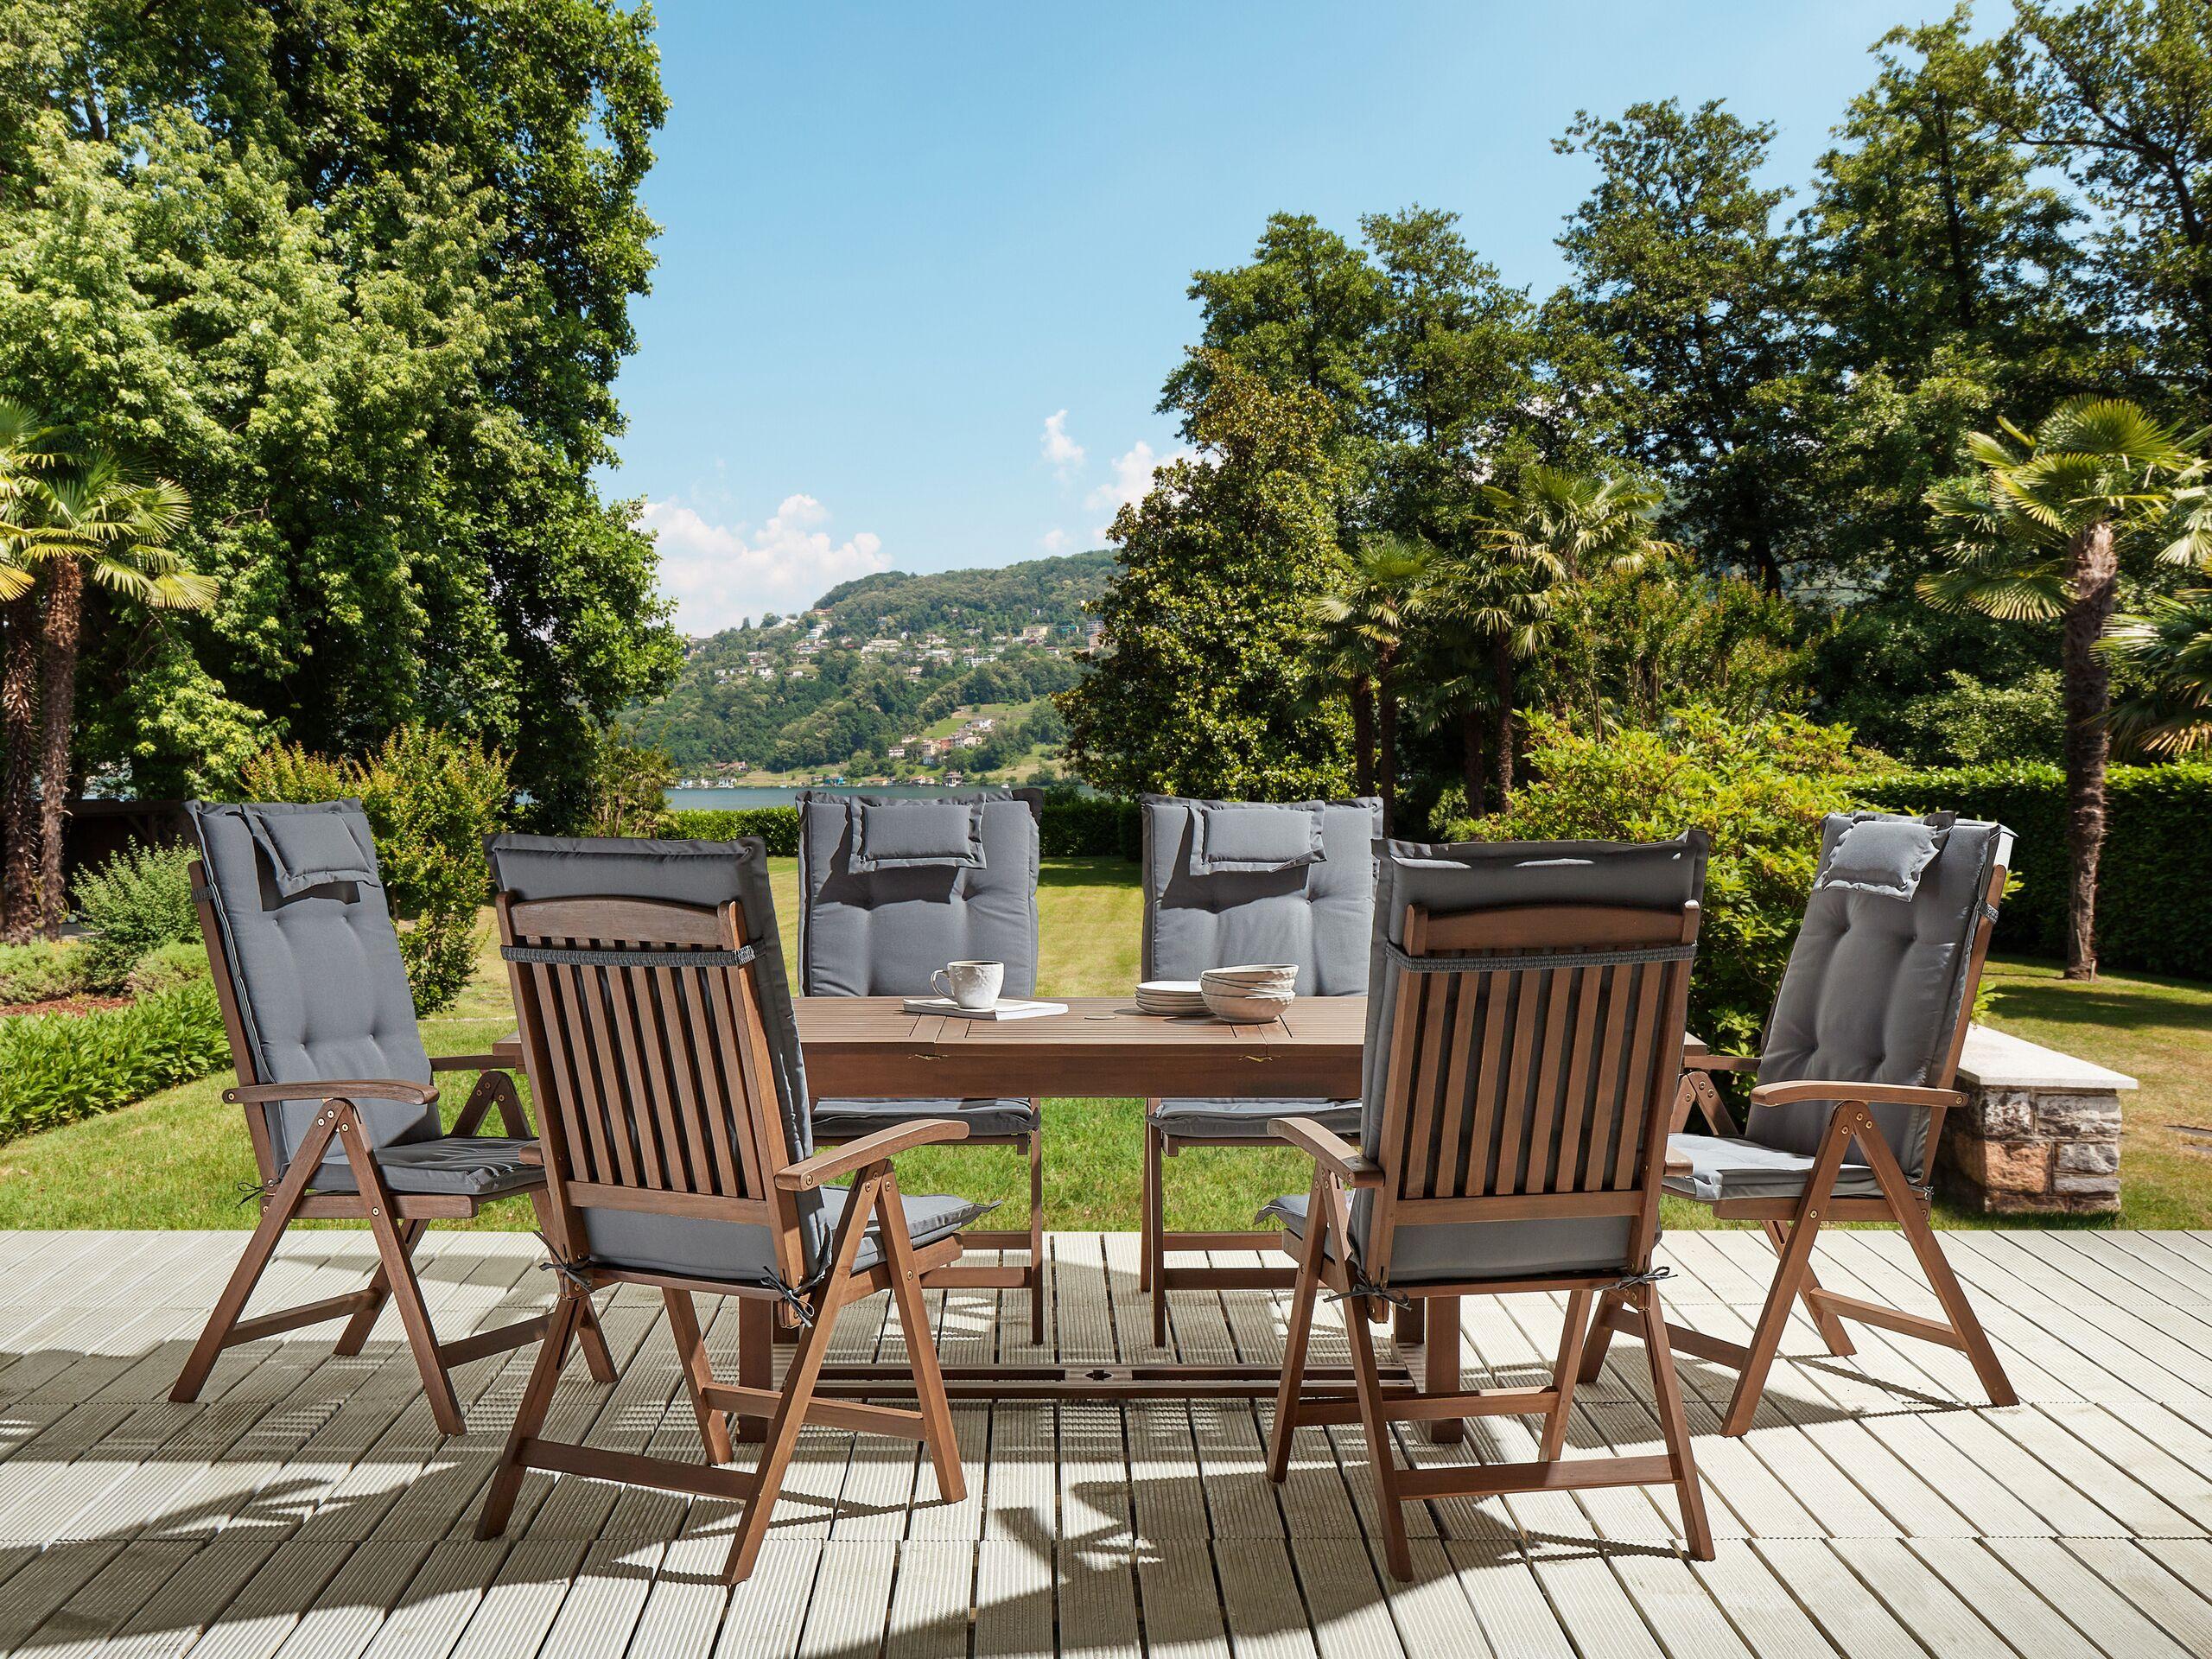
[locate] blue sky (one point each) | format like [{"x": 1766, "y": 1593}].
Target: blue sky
[{"x": 899, "y": 240}]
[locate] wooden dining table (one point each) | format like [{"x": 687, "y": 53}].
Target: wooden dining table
[{"x": 864, "y": 1047}]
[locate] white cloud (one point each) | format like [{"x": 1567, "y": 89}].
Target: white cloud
[
  {"x": 1132, "y": 479},
  {"x": 1064, "y": 454},
  {"x": 1054, "y": 539},
  {"x": 719, "y": 575}
]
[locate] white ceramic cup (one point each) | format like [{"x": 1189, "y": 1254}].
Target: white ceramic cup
[{"x": 969, "y": 984}]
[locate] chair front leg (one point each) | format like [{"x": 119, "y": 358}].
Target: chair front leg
[
  {"x": 1303, "y": 1296},
  {"x": 1673, "y": 1422},
  {"x": 1565, "y": 1372},
  {"x": 921, "y": 1344},
  {"x": 399, "y": 1275},
  {"x": 1037, "y": 1270},
  {"x": 692, "y": 1352},
  {"x": 530, "y": 1416},
  {"x": 275, "y": 1215},
  {"x": 1830, "y": 1327},
  {"x": 358, "y": 1328},
  {"x": 588, "y": 1334},
  {"x": 1155, "y": 1222},
  {"x": 1788, "y": 1276}
]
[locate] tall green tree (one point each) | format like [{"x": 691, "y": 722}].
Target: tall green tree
[
  {"x": 2040, "y": 531},
  {"x": 1202, "y": 683},
  {"x": 1366, "y": 626},
  {"x": 361, "y": 278},
  {"x": 24, "y": 460},
  {"x": 1680, "y": 266}
]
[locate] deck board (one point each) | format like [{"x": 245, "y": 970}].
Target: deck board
[{"x": 307, "y": 1504}]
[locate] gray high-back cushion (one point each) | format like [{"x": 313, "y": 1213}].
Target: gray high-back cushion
[
  {"x": 1874, "y": 985},
  {"x": 1227, "y": 882},
  {"x": 1498, "y": 875},
  {"x": 707, "y": 873},
  {"x": 953, "y": 878},
  {"x": 313, "y": 958}
]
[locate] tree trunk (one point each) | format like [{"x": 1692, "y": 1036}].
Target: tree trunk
[
  {"x": 65, "y": 620},
  {"x": 1473, "y": 776},
  {"x": 2092, "y": 582},
  {"x": 18, "y": 765},
  {"x": 1362, "y": 734},
  {"x": 1501, "y": 741},
  {"x": 1386, "y": 745}
]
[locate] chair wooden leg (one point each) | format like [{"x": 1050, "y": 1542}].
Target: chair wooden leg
[
  {"x": 1600, "y": 1339},
  {"x": 921, "y": 1347},
  {"x": 1927, "y": 1250},
  {"x": 588, "y": 1334},
  {"x": 1566, "y": 1373},
  {"x": 1830, "y": 1327},
  {"x": 1441, "y": 1362},
  {"x": 1368, "y": 1383},
  {"x": 253, "y": 1261},
  {"x": 592, "y": 1339},
  {"x": 1789, "y": 1277},
  {"x": 1303, "y": 1297},
  {"x": 1673, "y": 1423},
  {"x": 1409, "y": 1324},
  {"x": 399, "y": 1272},
  {"x": 530, "y": 1415},
  {"x": 358, "y": 1328},
  {"x": 1037, "y": 1274},
  {"x": 798, "y": 1381},
  {"x": 691, "y": 1351},
  {"x": 1155, "y": 1217},
  {"x": 756, "y": 1361}
]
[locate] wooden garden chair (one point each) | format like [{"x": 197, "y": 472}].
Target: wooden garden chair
[
  {"x": 661, "y": 1048},
  {"x": 340, "y": 1097},
  {"x": 1230, "y": 882},
  {"x": 891, "y": 890},
  {"x": 1854, "y": 1078},
  {"x": 1523, "y": 1040}
]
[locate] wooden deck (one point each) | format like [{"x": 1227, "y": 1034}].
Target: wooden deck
[{"x": 307, "y": 1506}]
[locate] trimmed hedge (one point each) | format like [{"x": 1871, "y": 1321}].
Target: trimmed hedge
[
  {"x": 2154, "y": 881},
  {"x": 55, "y": 1068},
  {"x": 1073, "y": 826}
]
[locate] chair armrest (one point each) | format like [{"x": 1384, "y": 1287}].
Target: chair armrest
[
  {"x": 1720, "y": 1062},
  {"x": 468, "y": 1063},
  {"x": 1867, "y": 1094},
  {"x": 415, "y": 1094},
  {"x": 1334, "y": 1154},
  {"x": 870, "y": 1148}
]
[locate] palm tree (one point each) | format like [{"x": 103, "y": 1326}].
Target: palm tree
[
  {"x": 1553, "y": 530},
  {"x": 1363, "y": 632},
  {"x": 23, "y": 459},
  {"x": 2040, "y": 529},
  {"x": 99, "y": 519},
  {"x": 2169, "y": 641}
]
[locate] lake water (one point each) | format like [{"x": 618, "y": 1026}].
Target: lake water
[{"x": 745, "y": 795}]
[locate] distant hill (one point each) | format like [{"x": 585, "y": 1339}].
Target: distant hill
[{"x": 883, "y": 659}]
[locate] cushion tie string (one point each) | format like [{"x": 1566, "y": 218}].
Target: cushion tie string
[
  {"x": 1364, "y": 1286},
  {"x": 570, "y": 1273},
  {"x": 1536, "y": 961},
  {"x": 249, "y": 1190},
  {"x": 1636, "y": 1281}
]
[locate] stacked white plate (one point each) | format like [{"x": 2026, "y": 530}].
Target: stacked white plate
[
  {"x": 1171, "y": 996},
  {"x": 1256, "y": 992}
]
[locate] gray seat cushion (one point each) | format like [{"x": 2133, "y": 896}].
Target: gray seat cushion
[
  {"x": 1245, "y": 1120},
  {"x": 1498, "y": 875},
  {"x": 477, "y": 1167},
  {"x": 322, "y": 992},
  {"x": 1727, "y": 1167},
  {"x": 736, "y": 1252},
  {"x": 1312, "y": 909},
  {"x": 847, "y": 1120},
  {"x": 708, "y": 874},
  {"x": 1475, "y": 1251},
  {"x": 1873, "y": 987},
  {"x": 883, "y": 932}
]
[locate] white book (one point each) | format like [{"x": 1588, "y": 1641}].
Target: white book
[{"x": 1003, "y": 1009}]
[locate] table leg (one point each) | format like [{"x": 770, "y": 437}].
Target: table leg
[
  {"x": 1440, "y": 1366},
  {"x": 1407, "y": 1322},
  {"x": 756, "y": 1362}
]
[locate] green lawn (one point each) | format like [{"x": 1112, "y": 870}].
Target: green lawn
[{"x": 180, "y": 1158}]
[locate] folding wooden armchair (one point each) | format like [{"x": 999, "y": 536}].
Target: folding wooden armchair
[
  {"x": 1522, "y": 1045},
  {"x": 659, "y": 1039},
  {"x": 1861, "y": 1050},
  {"x": 339, "y": 1095},
  {"x": 891, "y": 890},
  {"x": 1227, "y": 882}
]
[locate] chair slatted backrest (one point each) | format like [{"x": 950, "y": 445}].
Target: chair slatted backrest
[{"x": 1533, "y": 1053}]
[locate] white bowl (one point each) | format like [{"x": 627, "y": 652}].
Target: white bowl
[
  {"x": 1256, "y": 977},
  {"x": 1246, "y": 1007}
]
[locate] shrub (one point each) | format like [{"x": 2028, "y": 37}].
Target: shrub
[
  {"x": 629, "y": 789},
  {"x": 41, "y": 971},
  {"x": 166, "y": 966},
  {"x": 2154, "y": 880},
  {"x": 431, "y": 797},
  {"x": 1759, "y": 788},
  {"x": 1074, "y": 825},
  {"x": 775, "y": 825},
  {"x": 138, "y": 900},
  {"x": 55, "y": 1068}
]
